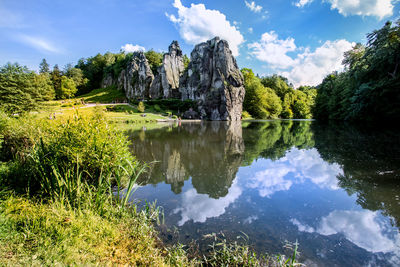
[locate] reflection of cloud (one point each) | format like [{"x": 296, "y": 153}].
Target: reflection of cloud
[
  {"x": 271, "y": 180},
  {"x": 360, "y": 227},
  {"x": 250, "y": 219},
  {"x": 302, "y": 227},
  {"x": 302, "y": 164},
  {"x": 200, "y": 207}
]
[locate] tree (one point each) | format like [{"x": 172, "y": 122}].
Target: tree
[
  {"x": 44, "y": 67},
  {"x": 155, "y": 60},
  {"x": 56, "y": 80},
  {"x": 68, "y": 88},
  {"x": 45, "y": 90},
  {"x": 17, "y": 91},
  {"x": 261, "y": 102}
]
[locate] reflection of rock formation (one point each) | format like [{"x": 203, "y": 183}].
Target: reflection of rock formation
[
  {"x": 208, "y": 152},
  {"x": 370, "y": 161},
  {"x": 175, "y": 174}
]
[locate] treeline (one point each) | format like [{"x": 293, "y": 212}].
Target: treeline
[
  {"x": 368, "y": 89},
  {"x": 21, "y": 89},
  {"x": 273, "y": 97}
]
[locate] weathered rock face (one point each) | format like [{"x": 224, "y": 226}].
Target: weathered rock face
[
  {"x": 135, "y": 79},
  {"x": 215, "y": 81},
  {"x": 212, "y": 79},
  {"x": 166, "y": 82}
]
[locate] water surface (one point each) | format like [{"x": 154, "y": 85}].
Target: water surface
[{"x": 334, "y": 189}]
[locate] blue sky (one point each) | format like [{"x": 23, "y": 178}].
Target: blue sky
[{"x": 301, "y": 39}]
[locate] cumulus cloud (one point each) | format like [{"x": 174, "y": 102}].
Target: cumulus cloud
[
  {"x": 129, "y": 48},
  {"x": 307, "y": 67},
  {"x": 363, "y": 228},
  {"x": 302, "y": 3},
  {"x": 304, "y": 164},
  {"x": 200, "y": 207},
  {"x": 311, "y": 67},
  {"x": 39, "y": 43},
  {"x": 253, "y": 6},
  {"x": 377, "y": 8},
  {"x": 197, "y": 24},
  {"x": 274, "y": 51}
]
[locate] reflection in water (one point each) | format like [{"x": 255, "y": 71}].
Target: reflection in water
[
  {"x": 334, "y": 189},
  {"x": 200, "y": 207},
  {"x": 193, "y": 150},
  {"x": 300, "y": 164},
  {"x": 364, "y": 228}
]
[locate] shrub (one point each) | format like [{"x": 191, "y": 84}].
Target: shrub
[{"x": 141, "y": 107}]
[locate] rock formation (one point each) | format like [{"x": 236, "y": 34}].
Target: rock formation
[
  {"x": 212, "y": 79},
  {"x": 166, "y": 82}
]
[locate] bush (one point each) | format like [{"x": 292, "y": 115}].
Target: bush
[
  {"x": 84, "y": 146},
  {"x": 141, "y": 107},
  {"x": 157, "y": 108}
]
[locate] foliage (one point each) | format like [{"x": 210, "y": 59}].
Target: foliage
[
  {"x": 261, "y": 102},
  {"x": 44, "y": 67},
  {"x": 368, "y": 89},
  {"x": 141, "y": 107},
  {"x": 155, "y": 60},
  {"x": 18, "y": 91},
  {"x": 186, "y": 61},
  {"x": 67, "y": 88}
]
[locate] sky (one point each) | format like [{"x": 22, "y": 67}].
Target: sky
[{"x": 303, "y": 40}]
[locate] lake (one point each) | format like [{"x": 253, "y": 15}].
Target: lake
[{"x": 334, "y": 189}]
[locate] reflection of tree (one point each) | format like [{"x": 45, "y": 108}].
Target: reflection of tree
[
  {"x": 273, "y": 138},
  {"x": 370, "y": 161},
  {"x": 208, "y": 152}
]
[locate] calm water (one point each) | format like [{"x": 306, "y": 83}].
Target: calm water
[{"x": 336, "y": 190}]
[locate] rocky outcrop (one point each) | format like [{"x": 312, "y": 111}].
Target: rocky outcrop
[
  {"x": 135, "y": 79},
  {"x": 214, "y": 80},
  {"x": 166, "y": 82}
]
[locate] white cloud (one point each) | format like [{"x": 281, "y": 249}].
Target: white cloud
[
  {"x": 377, "y": 8},
  {"x": 129, "y": 48},
  {"x": 306, "y": 164},
  {"x": 39, "y": 43},
  {"x": 306, "y": 68},
  {"x": 200, "y": 207},
  {"x": 311, "y": 67},
  {"x": 250, "y": 30},
  {"x": 197, "y": 24},
  {"x": 363, "y": 228},
  {"x": 253, "y": 6},
  {"x": 302, "y": 3},
  {"x": 274, "y": 51}
]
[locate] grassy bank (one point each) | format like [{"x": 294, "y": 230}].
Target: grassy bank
[{"x": 65, "y": 200}]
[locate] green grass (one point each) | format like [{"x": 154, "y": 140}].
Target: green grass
[{"x": 104, "y": 95}]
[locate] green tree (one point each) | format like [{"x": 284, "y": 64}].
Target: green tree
[
  {"x": 261, "y": 102},
  {"x": 44, "y": 66},
  {"x": 45, "y": 90},
  {"x": 68, "y": 88},
  {"x": 56, "y": 80},
  {"x": 17, "y": 90},
  {"x": 155, "y": 60}
]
